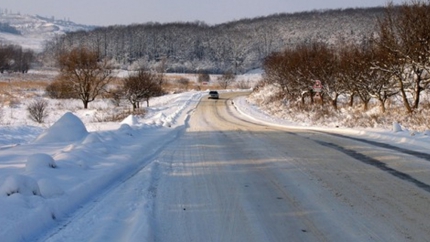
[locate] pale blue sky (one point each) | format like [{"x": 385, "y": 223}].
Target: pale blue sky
[{"x": 105, "y": 12}]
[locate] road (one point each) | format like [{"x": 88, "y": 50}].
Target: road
[{"x": 230, "y": 179}]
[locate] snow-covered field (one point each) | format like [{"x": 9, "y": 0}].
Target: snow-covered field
[{"x": 48, "y": 172}]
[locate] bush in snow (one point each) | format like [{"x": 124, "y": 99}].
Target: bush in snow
[
  {"x": 20, "y": 184},
  {"x": 37, "y": 110},
  {"x": 38, "y": 161}
]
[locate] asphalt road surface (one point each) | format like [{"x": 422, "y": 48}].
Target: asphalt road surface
[{"x": 227, "y": 178}]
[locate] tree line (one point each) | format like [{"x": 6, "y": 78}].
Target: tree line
[
  {"x": 236, "y": 46},
  {"x": 14, "y": 58},
  {"x": 393, "y": 61}
]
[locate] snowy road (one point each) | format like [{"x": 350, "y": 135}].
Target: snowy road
[{"x": 229, "y": 179}]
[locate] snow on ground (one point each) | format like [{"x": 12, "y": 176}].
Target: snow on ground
[
  {"x": 46, "y": 173},
  {"x": 397, "y": 135}
]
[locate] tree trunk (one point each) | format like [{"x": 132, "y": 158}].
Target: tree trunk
[
  {"x": 418, "y": 88},
  {"x": 351, "y": 100},
  {"x": 366, "y": 105},
  {"x": 417, "y": 95},
  {"x": 334, "y": 101},
  {"x": 405, "y": 98},
  {"x": 382, "y": 105},
  {"x": 85, "y": 104}
]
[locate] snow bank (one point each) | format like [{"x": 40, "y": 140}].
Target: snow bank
[
  {"x": 39, "y": 161},
  {"x": 20, "y": 184},
  {"x": 69, "y": 128},
  {"x": 65, "y": 167},
  {"x": 396, "y": 127},
  {"x": 48, "y": 188},
  {"x": 130, "y": 120}
]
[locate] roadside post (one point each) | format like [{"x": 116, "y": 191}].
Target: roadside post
[{"x": 317, "y": 89}]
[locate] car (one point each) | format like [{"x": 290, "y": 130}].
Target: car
[{"x": 213, "y": 94}]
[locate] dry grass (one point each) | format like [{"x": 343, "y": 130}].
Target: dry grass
[
  {"x": 117, "y": 115},
  {"x": 14, "y": 92},
  {"x": 18, "y": 85}
]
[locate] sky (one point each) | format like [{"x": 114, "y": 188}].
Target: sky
[{"x": 124, "y": 12}]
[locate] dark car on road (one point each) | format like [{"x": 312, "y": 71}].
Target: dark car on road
[{"x": 213, "y": 95}]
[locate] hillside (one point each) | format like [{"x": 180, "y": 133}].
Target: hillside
[
  {"x": 323, "y": 25},
  {"x": 31, "y": 31},
  {"x": 237, "y": 46}
]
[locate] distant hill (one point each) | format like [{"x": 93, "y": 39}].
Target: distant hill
[
  {"x": 31, "y": 31},
  {"x": 6, "y": 28},
  {"x": 237, "y": 46}
]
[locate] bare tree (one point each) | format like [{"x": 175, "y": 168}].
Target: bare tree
[
  {"x": 6, "y": 55},
  {"x": 184, "y": 82},
  {"x": 226, "y": 79},
  {"x": 323, "y": 65},
  {"x": 14, "y": 59},
  {"x": 414, "y": 31},
  {"x": 203, "y": 77},
  {"x": 37, "y": 110},
  {"x": 356, "y": 74},
  {"x": 141, "y": 86},
  {"x": 380, "y": 84},
  {"x": 405, "y": 36},
  {"x": 279, "y": 69},
  {"x": 393, "y": 63},
  {"x": 88, "y": 74}
]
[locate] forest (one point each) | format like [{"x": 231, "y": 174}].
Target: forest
[
  {"x": 14, "y": 58},
  {"x": 237, "y": 47}
]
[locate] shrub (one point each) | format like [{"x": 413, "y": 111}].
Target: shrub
[
  {"x": 242, "y": 84},
  {"x": 118, "y": 115},
  {"x": 184, "y": 82},
  {"x": 226, "y": 79},
  {"x": 61, "y": 90},
  {"x": 115, "y": 96},
  {"x": 203, "y": 77},
  {"x": 37, "y": 110}
]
